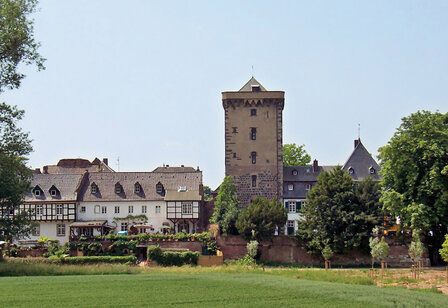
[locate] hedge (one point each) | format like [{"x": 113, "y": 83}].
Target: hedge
[
  {"x": 172, "y": 258},
  {"x": 98, "y": 259}
]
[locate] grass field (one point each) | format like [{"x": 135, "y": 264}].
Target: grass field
[{"x": 205, "y": 287}]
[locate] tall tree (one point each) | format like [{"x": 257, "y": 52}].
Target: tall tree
[
  {"x": 295, "y": 155},
  {"x": 226, "y": 210},
  {"x": 414, "y": 166},
  {"x": 14, "y": 174},
  {"x": 261, "y": 218},
  {"x": 17, "y": 43},
  {"x": 338, "y": 213}
]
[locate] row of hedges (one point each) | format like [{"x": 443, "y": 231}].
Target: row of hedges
[
  {"x": 144, "y": 237},
  {"x": 99, "y": 259},
  {"x": 172, "y": 258}
]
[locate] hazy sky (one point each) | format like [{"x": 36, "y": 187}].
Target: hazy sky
[{"x": 142, "y": 80}]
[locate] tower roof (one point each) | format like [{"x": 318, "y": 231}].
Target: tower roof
[
  {"x": 362, "y": 163},
  {"x": 252, "y": 82}
]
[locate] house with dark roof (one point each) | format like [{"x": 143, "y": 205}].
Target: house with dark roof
[{"x": 298, "y": 180}]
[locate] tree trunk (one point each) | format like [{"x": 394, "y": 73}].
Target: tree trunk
[{"x": 383, "y": 267}]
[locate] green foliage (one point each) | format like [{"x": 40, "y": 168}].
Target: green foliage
[
  {"x": 226, "y": 211},
  {"x": 14, "y": 174},
  {"x": 143, "y": 237},
  {"x": 416, "y": 247},
  {"x": 379, "y": 249},
  {"x": 414, "y": 166},
  {"x": 444, "y": 250},
  {"x": 207, "y": 193},
  {"x": 172, "y": 258},
  {"x": 252, "y": 249},
  {"x": 295, "y": 155},
  {"x": 99, "y": 259},
  {"x": 327, "y": 253},
  {"x": 260, "y": 219},
  {"x": 338, "y": 213},
  {"x": 17, "y": 44}
]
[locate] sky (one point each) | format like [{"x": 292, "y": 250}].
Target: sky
[{"x": 142, "y": 80}]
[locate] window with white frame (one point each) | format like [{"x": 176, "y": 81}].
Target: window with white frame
[
  {"x": 97, "y": 209},
  {"x": 307, "y": 186},
  {"x": 144, "y": 209},
  {"x": 187, "y": 208},
  {"x": 82, "y": 209},
  {"x": 290, "y": 224},
  {"x": 37, "y": 193},
  {"x": 39, "y": 209},
  {"x": 36, "y": 230},
  {"x": 157, "y": 209},
  {"x": 117, "y": 209},
  {"x": 103, "y": 209},
  {"x": 131, "y": 209},
  {"x": 59, "y": 209},
  {"x": 292, "y": 207},
  {"x": 124, "y": 226},
  {"x": 53, "y": 192},
  {"x": 60, "y": 230},
  {"x": 290, "y": 186}
]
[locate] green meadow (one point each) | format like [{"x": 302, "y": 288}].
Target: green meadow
[{"x": 113, "y": 285}]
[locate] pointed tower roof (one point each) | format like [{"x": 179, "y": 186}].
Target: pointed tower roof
[
  {"x": 250, "y": 84},
  {"x": 361, "y": 164}
]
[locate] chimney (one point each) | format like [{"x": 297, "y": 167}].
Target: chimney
[
  {"x": 315, "y": 166},
  {"x": 182, "y": 166},
  {"x": 37, "y": 171},
  {"x": 45, "y": 169},
  {"x": 106, "y": 161},
  {"x": 197, "y": 168},
  {"x": 357, "y": 142}
]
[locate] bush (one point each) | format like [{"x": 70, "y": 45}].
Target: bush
[
  {"x": 444, "y": 250},
  {"x": 172, "y": 258},
  {"x": 252, "y": 249},
  {"x": 99, "y": 259}
]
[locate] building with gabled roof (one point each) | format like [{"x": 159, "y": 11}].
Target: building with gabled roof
[{"x": 361, "y": 164}]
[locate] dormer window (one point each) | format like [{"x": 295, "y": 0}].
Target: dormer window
[
  {"x": 290, "y": 186},
  {"x": 37, "y": 191},
  {"x": 93, "y": 188},
  {"x": 118, "y": 188},
  {"x": 294, "y": 172},
  {"x": 308, "y": 186},
  {"x": 54, "y": 191},
  {"x": 182, "y": 189},
  {"x": 372, "y": 170},
  {"x": 159, "y": 189},
  {"x": 137, "y": 188},
  {"x": 351, "y": 170}
]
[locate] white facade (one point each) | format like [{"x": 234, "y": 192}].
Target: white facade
[
  {"x": 155, "y": 212},
  {"x": 54, "y": 230},
  {"x": 293, "y": 207}
]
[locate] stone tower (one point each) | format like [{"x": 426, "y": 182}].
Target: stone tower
[{"x": 253, "y": 141}]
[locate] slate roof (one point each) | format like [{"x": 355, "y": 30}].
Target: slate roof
[
  {"x": 168, "y": 169},
  {"x": 304, "y": 176},
  {"x": 171, "y": 181},
  {"x": 361, "y": 161},
  {"x": 68, "y": 186},
  {"x": 248, "y": 86}
]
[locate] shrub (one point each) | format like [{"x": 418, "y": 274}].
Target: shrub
[
  {"x": 444, "y": 250},
  {"x": 416, "y": 248},
  {"x": 252, "y": 249},
  {"x": 379, "y": 249},
  {"x": 327, "y": 253},
  {"x": 99, "y": 259},
  {"x": 172, "y": 258}
]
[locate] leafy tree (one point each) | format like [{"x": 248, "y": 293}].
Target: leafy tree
[
  {"x": 379, "y": 249},
  {"x": 207, "y": 193},
  {"x": 17, "y": 43},
  {"x": 414, "y": 166},
  {"x": 260, "y": 219},
  {"x": 444, "y": 250},
  {"x": 416, "y": 248},
  {"x": 226, "y": 211},
  {"x": 14, "y": 174},
  {"x": 327, "y": 253},
  {"x": 295, "y": 155},
  {"x": 339, "y": 214}
]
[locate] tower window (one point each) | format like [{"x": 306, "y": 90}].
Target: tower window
[
  {"x": 253, "y": 157},
  {"x": 254, "y": 181},
  {"x": 253, "y": 133},
  {"x": 234, "y": 130},
  {"x": 253, "y": 112},
  {"x": 234, "y": 155}
]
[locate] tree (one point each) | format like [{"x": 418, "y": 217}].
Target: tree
[
  {"x": 338, "y": 213},
  {"x": 414, "y": 166},
  {"x": 416, "y": 248},
  {"x": 207, "y": 193},
  {"x": 17, "y": 43},
  {"x": 14, "y": 174},
  {"x": 379, "y": 249},
  {"x": 226, "y": 211},
  {"x": 260, "y": 219},
  {"x": 444, "y": 250},
  {"x": 295, "y": 155}
]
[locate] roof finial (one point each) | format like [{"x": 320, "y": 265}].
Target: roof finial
[
  {"x": 359, "y": 131},
  {"x": 252, "y": 70}
]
